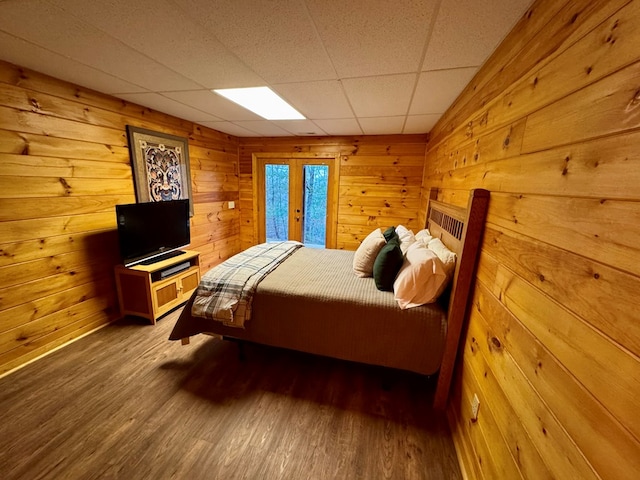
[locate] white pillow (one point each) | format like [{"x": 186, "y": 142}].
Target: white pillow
[
  {"x": 367, "y": 252},
  {"x": 421, "y": 279},
  {"x": 406, "y": 238},
  {"x": 424, "y": 236},
  {"x": 446, "y": 256}
]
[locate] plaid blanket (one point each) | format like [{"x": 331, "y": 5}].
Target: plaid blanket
[{"x": 225, "y": 292}]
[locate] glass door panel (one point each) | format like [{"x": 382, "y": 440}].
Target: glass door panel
[
  {"x": 314, "y": 205},
  {"x": 296, "y": 199},
  {"x": 276, "y": 202}
]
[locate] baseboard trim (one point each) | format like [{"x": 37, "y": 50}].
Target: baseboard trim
[{"x": 54, "y": 349}]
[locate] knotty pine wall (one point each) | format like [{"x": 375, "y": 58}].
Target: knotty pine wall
[
  {"x": 380, "y": 180},
  {"x": 551, "y": 126},
  {"x": 64, "y": 166}
]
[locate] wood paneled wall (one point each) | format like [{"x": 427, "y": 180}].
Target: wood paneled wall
[
  {"x": 551, "y": 126},
  {"x": 380, "y": 178},
  {"x": 64, "y": 166}
]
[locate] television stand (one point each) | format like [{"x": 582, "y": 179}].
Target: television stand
[
  {"x": 151, "y": 291},
  {"x": 160, "y": 258}
]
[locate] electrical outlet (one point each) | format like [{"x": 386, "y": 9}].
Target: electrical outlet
[
  {"x": 475, "y": 406},
  {"x": 232, "y": 205}
]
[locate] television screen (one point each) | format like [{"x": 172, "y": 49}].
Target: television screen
[{"x": 149, "y": 232}]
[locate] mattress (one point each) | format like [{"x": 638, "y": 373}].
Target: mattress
[{"x": 314, "y": 303}]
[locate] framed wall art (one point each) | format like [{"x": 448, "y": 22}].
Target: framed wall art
[{"x": 160, "y": 165}]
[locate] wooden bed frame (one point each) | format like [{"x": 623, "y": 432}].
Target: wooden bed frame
[{"x": 460, "y": 229}]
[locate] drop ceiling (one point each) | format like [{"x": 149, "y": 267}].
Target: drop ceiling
[{"x": 351, "y": 67}]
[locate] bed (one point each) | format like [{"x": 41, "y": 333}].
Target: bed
[{"x": 312, "y": 302}]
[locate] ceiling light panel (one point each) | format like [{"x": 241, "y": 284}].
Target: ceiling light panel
[
  {"x": 217, "y": 105},
  {"x": 262, "y": 101}
]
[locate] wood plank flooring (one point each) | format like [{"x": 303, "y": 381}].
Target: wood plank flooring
[{"x": 126, "y": 403}]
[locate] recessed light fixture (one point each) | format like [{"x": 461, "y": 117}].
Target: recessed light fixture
[{"x": 262, "y": 101}]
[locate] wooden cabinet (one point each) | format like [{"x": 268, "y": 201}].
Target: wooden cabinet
[{"x": 150, "y": 291}]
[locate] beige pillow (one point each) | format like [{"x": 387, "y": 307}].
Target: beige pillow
[
  {"x": 446, "y": 256},
  {"x": 421, "y": 279},
  {"x": 367, "y": 252}
]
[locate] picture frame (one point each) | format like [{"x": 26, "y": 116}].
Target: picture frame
[{"x": 160, "y": 164}]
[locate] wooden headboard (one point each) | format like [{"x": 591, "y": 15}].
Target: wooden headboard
[{"x": 460, "y": 229}]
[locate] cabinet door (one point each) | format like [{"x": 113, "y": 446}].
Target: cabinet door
[
  {"x": 189, "y": 282},
  {"x": 169, "y": 293},
  {"x": 165, "y": 295}
]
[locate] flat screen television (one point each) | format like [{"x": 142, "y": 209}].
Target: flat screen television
[{"x": 150, "y": 232}]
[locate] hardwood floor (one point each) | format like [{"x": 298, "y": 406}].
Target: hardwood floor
[{"x": 126, "y": 403}]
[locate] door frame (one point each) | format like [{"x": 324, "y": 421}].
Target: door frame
[{"x": 332, "y": 160}]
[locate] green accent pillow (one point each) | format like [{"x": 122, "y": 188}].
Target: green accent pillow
[
  {"x": 387, "y": 265},
  {"x": 389, "y": 233}
]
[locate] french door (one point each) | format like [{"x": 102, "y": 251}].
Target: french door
[{"x": 296, "y": 198}]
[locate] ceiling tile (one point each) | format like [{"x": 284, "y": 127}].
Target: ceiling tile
[
  {"x": 160, "y": 103},
  {"x": 264, "y": 128},
  {"x": 484, "y": 24},
  {"x": 373, "y": 37},
  {"x": 420, "y": 123},
  {"x": 342, "y": 126},
  {"x": 59, "y": 32},
  {"x": 380, "y": 96},
  {"x": 315, "y": 100},
  {"x": 299, "y": 127},
  {"x": 382, "y": 125},
  {"x": 214, "y": 104},
  {"x": 437, "y": 90},
  {"x": 230, "y": 128},
  {"x": 276, "y": 39},
  {"x": 333, "y": 60},
  {"x": 188, "y": 48},
  {"x": 28, "y": 55}
]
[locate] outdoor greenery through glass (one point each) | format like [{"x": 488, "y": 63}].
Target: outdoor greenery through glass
[
  {"x": 316, "y": 182},
  {"x": 314, "y": 214},
  {"x": 277, "y": 202}
]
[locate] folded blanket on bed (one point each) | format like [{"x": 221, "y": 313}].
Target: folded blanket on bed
[{"x": 225, "y": 292}]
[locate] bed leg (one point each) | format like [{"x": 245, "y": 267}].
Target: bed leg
[
  {"x": 242, "y": 357},
  {"x": 185, "y": 341},
  {"x": 241, "y": 354},
  {"x": 387, "y": 381}
]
